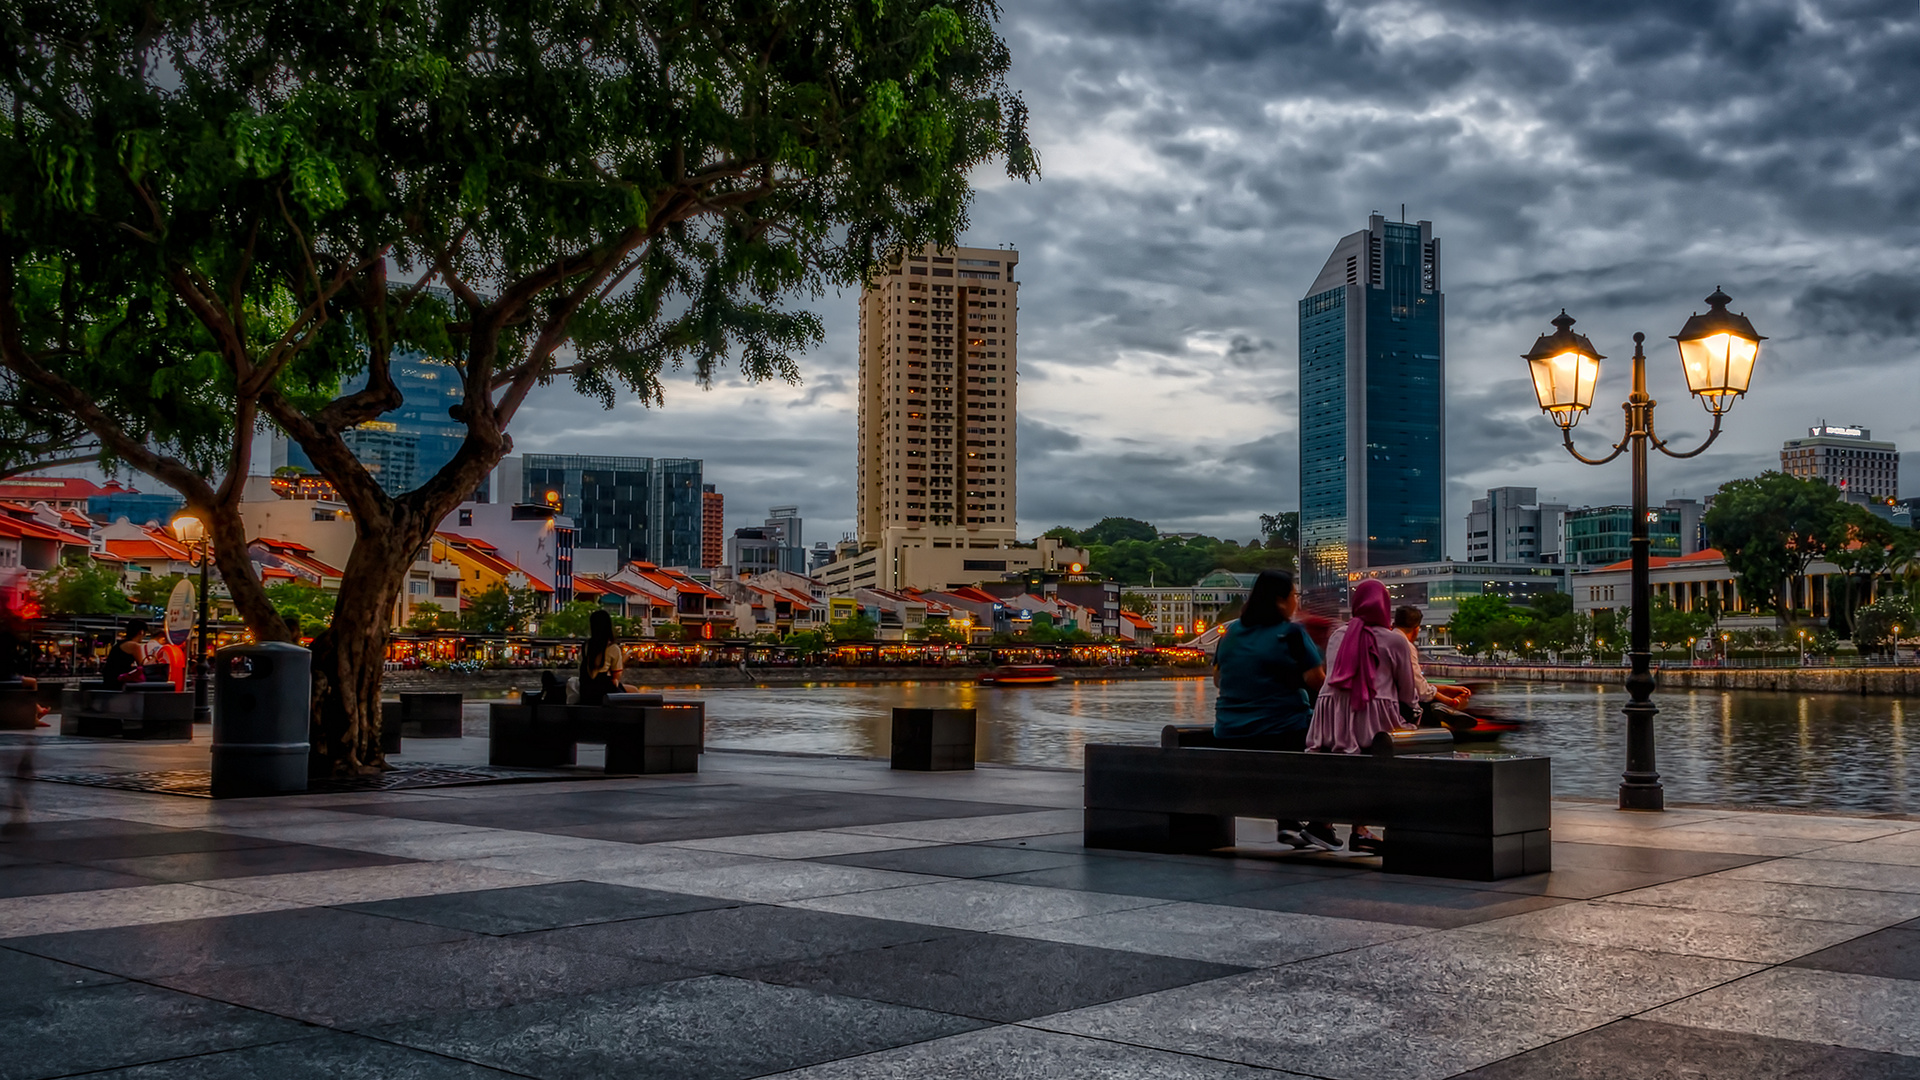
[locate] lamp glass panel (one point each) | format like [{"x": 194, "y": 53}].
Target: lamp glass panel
[
  {"x": 1542, "y": 382},
  {"x": 1719, "y": 364}
]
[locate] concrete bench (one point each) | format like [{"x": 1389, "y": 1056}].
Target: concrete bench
[
  {"x": 19, "y": 707},
  {"x": 642, "y": 733},
  {"x": 135, "y": 711},
  {"x": 434, "y": 715},
  {"x": 1479, "y": 817}
]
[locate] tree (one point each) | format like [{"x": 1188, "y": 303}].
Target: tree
[
  {"x": 1864, "y": 544},
  {"x": 672, "y": 631},
  {"x": 1873, "y": 626},
  {"x": 429, "y": 616},
  {"x": 1113, "y": 530},
  {"x": 1135, "y": 602},
  {"x": 944, "y": 634},
  {"x": 1769, "y": 528},
  {"x": 312, "y": 607},
  {"x": 1479, "y": 622},
  {"x": 1672, "y": 628},
  {"x": 1065, "y": 535},
  {"x": 152, "y": 591},
  {"x": 204, "y": 203},
  {"x": 498, "y": 609},
  {"x": 82, "y": 588},
  {"x": 1282, "y": 528},
  {"x": 807, "y": 643},
  {"x": 858, "y": 628},
  {"x": 569, "y": 621}
]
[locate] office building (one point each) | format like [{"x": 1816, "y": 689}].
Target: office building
[
  {"x": 644, "y": 509},
  {"x": 713, "y": 526},
  {"x": 1512, "y": 525},
  {"x": 1601, "y": 535},
  {"x": 1372, "y": 407},
  {"x": 939, "y": 371},
  {"x": 751, "y": 552},
  {"x": 1846, "y": 457},
  {"x": 1437, "y": 588},
  {"x": 404, "y": 448}
]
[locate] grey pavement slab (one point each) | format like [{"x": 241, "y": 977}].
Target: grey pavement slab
[
  {"x": 959, "y": 860},
  {"x": 538, "y": 907},
  {"x": 332, "y": 1055},
  {"x": 1247, "y": 937},
  {"x": 990, "y": 977},
  {"x": 361, "y": 884},
  {"x": 25, "y": 976},
  {"x": 102, "y": 1027},
  {"x": 1413, "y": 903},
  {"x": 353, "y": 990},
  {"x": 1643, "y": 1050},
  {"x": 730, "y": 939},
  {"x": 1022, "y": 1053},
  {"x": 52, "y": 913},
  {"x": 1639, "y": 857},
  {"x": 713, "y": 1027},
  {"x": 1863, "y": 906},
  {"x": 1882, "y": 877},
  {"x": 119, "y": 840},
  {"x": 196, "y": 945},
  {"x": 245, "y": 862},
  {"x": 1890, "y": 954},
  {"x": 769, "y": 881},
  {"x": 1166, "y": 880},
  {"x": 974, "y": 905},
  {"x": 1293, "y": 1019},
  {"x": 1762, "y": 939},
  {"x": 24, "y": 878},
  {"x": 1861, "y": 1011},
  {"x": 799, "y": 844}
]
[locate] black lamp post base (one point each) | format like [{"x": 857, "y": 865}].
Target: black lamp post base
[{"x": 1643, "y": 796}]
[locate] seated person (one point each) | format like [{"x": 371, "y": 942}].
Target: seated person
[
  {"x": 1267, "y": 669},
  {"x": 1438, "y": 704},
  {"x": 602, "y": 662}
]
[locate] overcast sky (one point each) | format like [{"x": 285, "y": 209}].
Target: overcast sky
[{"x": 1201, "y": 159}]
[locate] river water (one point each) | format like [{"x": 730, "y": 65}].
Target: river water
[{"x": 1821, "y": 751}]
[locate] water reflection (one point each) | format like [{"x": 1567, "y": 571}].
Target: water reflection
[{"x": 1831, "y": 751}]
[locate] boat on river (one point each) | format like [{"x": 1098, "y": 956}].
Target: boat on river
[{"x": 1021, "y": 675}]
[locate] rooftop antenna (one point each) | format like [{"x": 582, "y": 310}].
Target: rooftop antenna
[{"x": 1403, "y": 213}]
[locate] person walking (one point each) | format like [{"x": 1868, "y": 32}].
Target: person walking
[
  {"x": 1267, "y": 669},
  {"x": 1372, "y": 676}
]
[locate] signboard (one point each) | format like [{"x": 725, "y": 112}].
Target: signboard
[{"x": 180, "y": 607}]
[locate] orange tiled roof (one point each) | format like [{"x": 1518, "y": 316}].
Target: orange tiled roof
[{"x": 1654, "y": 562}]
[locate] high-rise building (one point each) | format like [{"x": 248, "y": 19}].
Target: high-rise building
[
  {"x": 648, "y": 509},
  {"x": 783, "y": 526},
  {"x": 939, "y": 371},
  {"x": 1512, "y": 525},
  {"x": 404, "y": 448},
  {"x": 1373, "y": 406},
  {"x": 1600, "y": 535},
  {"x": 713, "y": 524},
  {"x": 1846, "y": 457}
]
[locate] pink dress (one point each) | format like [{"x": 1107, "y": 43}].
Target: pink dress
[{"x": 1339, "y": 727}]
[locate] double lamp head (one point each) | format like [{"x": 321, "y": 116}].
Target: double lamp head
[{"x": 1717, "y": 351}]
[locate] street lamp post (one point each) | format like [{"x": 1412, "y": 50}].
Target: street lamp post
[
  {"x": 189, "y": 531},
  {"x": 1717, "y": 354}
]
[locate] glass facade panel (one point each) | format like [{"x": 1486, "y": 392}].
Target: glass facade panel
[
  {"x": 1323, "y": 437},
  {"x": 643, "y": 508}
]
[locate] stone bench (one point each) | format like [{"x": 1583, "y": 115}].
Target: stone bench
[
  {"x": 136, "y": 711},
  {"x": 642, "y": 733},
  {"x": 436, "y": 715},
  {"x": 19, "y": 707},
  {"x": 1480, "y": 817}
]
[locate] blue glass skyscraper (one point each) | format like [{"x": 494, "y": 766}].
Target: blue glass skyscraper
[
  {"x": 404, "y": 448},
  {"x": 1372, "y": 406}
]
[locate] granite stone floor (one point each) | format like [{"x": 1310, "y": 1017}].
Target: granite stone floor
[{"x": 827, "y": 918}]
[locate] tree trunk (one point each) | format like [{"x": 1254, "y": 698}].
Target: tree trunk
[{"x": 349, "y": 657}]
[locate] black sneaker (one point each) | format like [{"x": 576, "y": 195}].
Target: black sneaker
[
  {"x": 1366, "y": 845},
  {"x": 1290, "y": 835},
  {"x": 1319, "y": 834}
]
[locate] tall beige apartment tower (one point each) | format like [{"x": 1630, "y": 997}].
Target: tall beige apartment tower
[{"x": 939, "y": 376}]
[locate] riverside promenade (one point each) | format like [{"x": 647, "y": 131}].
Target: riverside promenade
[{"x": 828, "y": 918}]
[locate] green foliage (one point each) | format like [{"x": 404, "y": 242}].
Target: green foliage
[
  {"x": 1132, "y": 553},
  {"x": 153, "y": 590},
  {"x": 429, "y": 616},
  {"x": 1770, "y": 528},
  {"x": 671, "y": 631},
  {"x": 1478, "y": 622},
  {"x": 570, "y": 621},
  {"x": 1673, "y": 628},
  {"x": 943, "y": 634},
  {"x": 1114, "y": 530},
  {"x": 858, "y": 628},
  {"x": 808, "y": 642},
  {"x": 311, "y": 606},
  {"x": 1873, "y": 625},
  {"x": 1282, "y": 529},
  {"x": 82, "y": 588},
  {"x": 1135, "y": 602},
  {"x": 498, "y": 610}
]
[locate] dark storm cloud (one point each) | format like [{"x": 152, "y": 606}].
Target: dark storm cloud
[{"x": 1202, "y": 157}]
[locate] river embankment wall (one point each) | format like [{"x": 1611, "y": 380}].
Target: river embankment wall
[
  {"x": 506, "y": 679},
  {"x": 1892, "y": 682}
]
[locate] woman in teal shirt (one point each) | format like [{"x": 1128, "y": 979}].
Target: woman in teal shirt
[{"x": 1267, "y": 669}]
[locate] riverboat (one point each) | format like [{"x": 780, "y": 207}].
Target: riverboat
[{"x": 1022, "y": 675}]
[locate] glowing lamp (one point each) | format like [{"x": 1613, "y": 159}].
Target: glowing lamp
[
  {"x": 1565, "y": 368},
  {"x": 189, "y": 529},
  {"x": 1717, "y": 351}
]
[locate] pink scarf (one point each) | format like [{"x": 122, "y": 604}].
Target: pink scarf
[{"x": 1353, "y": 668}]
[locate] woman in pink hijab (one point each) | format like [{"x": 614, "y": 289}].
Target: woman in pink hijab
[{"x": 1371, "y": 674}]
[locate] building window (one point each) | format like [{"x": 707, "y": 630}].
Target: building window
[{"x": 466, "y": 517}]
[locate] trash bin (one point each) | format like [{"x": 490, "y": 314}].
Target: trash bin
[{"x": 261, "y": 700}]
